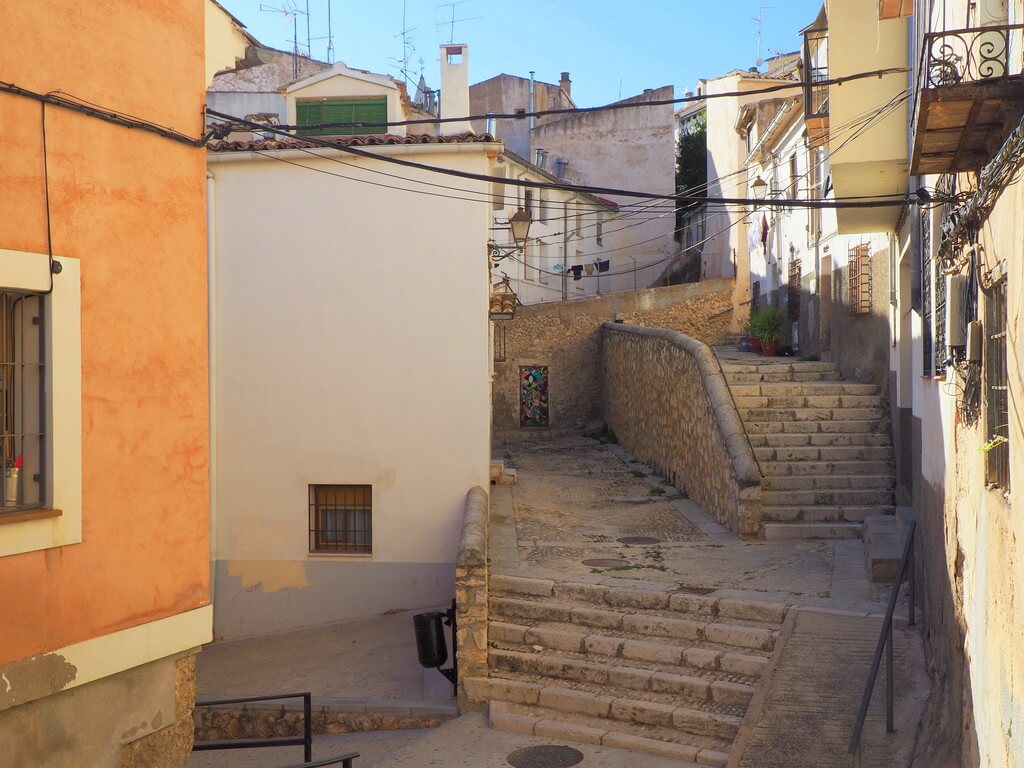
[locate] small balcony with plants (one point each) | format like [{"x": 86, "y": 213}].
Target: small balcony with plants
[{"x": 970, "y": 93}]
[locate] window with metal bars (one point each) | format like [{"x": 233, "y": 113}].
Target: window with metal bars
[
  {"x": 927, "y": 361},
  {"x": 997, "y": 401},
  {"x": 340, "y": 518},
  {"x": 793, "y": 286},
  {"x": 23, "y": 399},
  {"x": 939, "y": 354},
  {"x": 860, "y": 279}
]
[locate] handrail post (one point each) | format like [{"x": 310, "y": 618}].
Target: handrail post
[
  {"x": 911, "y": 618},
  {"x": 890, "y": 727},
  {"x": 307, "y": 714}
]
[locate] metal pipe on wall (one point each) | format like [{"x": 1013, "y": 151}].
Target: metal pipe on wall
[{"x": 532, "y": 118}]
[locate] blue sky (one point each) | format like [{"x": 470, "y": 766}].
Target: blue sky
[{"x": 606, "y": 45}]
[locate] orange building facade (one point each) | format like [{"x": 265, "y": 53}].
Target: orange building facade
[{"x": 104, "y": 415}]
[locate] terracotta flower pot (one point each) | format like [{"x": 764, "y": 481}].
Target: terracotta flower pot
[
  {"x": 755, "y": 344},
  {"x": 769, "y": 348}
]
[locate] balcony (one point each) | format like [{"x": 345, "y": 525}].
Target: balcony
[
  {"x": 971, "y": 95},
  {"x": 815, "y": 75}
]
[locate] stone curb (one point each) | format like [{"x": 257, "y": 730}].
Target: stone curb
[
  {"x": 473, "y": 543},
  {"x": 717, "y": 389}
]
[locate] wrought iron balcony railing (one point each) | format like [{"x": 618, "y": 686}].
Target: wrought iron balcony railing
[{"x": 979, "y": 54}]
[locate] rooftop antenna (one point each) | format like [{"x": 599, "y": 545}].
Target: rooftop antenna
[
  {"x": 408, "y": 46},
  {"x": 330, "y": 36},
  {"x": 289, "y": 8},
  {"x": 759, "y": 19},
  {"x": 453, "y": 21}
]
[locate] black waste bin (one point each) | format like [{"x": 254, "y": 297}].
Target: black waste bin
[{"x": 430, "y": 643}]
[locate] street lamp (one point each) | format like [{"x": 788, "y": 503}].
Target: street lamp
[
  {"x": 759, "y": 188},
  {"x": 519, "y": 222}
]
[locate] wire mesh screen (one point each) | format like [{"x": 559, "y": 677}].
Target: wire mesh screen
[
  {"x": 340, "y": 518},
  {"x": 22, "y": 400},
  {"x": 997, "y": 393}
]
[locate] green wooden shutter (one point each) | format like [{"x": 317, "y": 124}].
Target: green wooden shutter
[{"x": 342, "y": 111}]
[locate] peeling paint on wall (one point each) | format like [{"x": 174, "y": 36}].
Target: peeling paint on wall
[
  {"x": 30, "y": 679},
  {"x": 269, "y": 575}
]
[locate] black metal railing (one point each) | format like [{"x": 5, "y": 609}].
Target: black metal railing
[
  {"x": 977, "y": 54},
  {"x": 815, "y": 74},
  {"x": 305, "y": 740},
  {"x": 885, "y": 644}
]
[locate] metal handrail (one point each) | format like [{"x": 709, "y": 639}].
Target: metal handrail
[
  {"x": 306, "y": 740},
  {"x": 885, "y": 642}
]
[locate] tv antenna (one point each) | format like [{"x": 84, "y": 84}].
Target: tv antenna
[
  {"x": 329, "y": 37},
  {"x": 759, "y": 20},
  {"x": 408, "y": 46},
  {"x": 290, "y": 9},
  {"x": 453, "y": 21}
]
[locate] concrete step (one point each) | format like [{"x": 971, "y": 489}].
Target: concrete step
[
  {"x": 821, "y": 426},
  {"x": 831, "y": 482},
  {"x": 712, "y": 661},
  {"x": 824, "y": 514},
  {"x": 515, "y": 609},
  {"x": 635, "y": 676},
  {"x": 834, "y": 468},
  {"x": 882, "y": 547},
  {"x": 703, "y": 726},
  {"x": 822, "y": 497},
  {"x": 806, "y": 389},
  {"x": 826, "y": 440},
  {"x": 549, "y": 723},
  {"x": 662, "y": 599},
  {"x": 778, "y": 366},
  {"x": 778, "y": 531},
  {"x": 777, "y": 377},
  {"x": 820, "y": 415},
  {"x": 807, "y": 401},
  {"x": 824, "y": 453}
]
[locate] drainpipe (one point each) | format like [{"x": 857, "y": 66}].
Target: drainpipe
[
  {"x": 532, "y": 73},
  {"x": 211, "y": 287}
]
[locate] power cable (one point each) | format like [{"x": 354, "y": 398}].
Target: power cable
[{"x": 879, "y": 73}]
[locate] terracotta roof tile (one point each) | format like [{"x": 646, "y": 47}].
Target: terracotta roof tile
[{"x": 368, "y": 140}]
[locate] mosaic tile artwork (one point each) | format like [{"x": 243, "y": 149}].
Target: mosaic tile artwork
[{"x": 533, "y": 396}]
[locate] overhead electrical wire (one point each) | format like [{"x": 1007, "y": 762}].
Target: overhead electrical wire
[{"x": 879, "y": 73}]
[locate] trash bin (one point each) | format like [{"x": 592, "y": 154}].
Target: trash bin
[{"x": 431, "y": 646}]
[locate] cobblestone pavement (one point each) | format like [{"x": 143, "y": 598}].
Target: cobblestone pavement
[{"x": 576, "y": 497}]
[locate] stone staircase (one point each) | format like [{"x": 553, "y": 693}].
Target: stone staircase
[
  {"x": 822, "y": 443},
  {"x": 652, "y": 669}
]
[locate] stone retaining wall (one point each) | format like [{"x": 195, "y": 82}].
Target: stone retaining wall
[
  {"x": 668, "y": 403},
  {"x": 566, "y": 337},
  {"x": 471, "y": 592}
]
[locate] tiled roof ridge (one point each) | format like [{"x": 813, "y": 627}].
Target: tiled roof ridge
[{"x": 363, "y": 140}]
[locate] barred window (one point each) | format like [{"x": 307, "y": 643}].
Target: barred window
[
  {"x": 793, "y": 286},
  {"x": 23, "y": 400},
  {"x": 340, "y": 518},
  {"x": 860, "y": 279},
  {"x": 939, "y": 354},
  {"x": 997, "y": 416},
  {"x": 928, "y": 360}
]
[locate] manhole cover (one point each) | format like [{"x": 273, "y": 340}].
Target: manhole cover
[
  {"x": 545, "y": 757},
  {"x": 638, "y": 540},
  {"x": 691, "y": 590},
  {"x": 604, "y": 562}
]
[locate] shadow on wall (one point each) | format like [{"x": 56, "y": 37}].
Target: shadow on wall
[{"x": 565, "y": 338}]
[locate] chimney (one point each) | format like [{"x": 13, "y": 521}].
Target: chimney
[
  {"x": 566, "y": 85},
  {"x": 454, "y": 88}
]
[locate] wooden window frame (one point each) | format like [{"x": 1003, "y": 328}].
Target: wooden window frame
[
  {"x": 354, "y": 535},
  {"x": 377, "y": 101}
]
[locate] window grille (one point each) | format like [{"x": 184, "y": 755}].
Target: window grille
[
  {"x": 997, "y": 419},
  {"x": 860, "y": 279},
  {"x": 528, "y": 202},
  {"x": 926, "y": 293},
  {"x": 794, "y": 288},
  {"x": 340, "y": 518},
  {"x": 23, "y": 396},
  {"x": 939, "y": 354}
]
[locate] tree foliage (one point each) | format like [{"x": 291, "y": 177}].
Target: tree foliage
[{"x": 691, "y": 162}]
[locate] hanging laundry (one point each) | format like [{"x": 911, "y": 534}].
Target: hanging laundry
[
  {"x": 577, "y": 272},
  {"x": 588, "y": 268},
  {"x": 604, "y": 266},
  {"x": 764, "y": 230}
]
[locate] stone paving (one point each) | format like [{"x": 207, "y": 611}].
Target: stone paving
[{"x": 575, "y": 497}]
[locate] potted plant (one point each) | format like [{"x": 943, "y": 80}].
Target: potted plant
[
  {"x": 753, "y": 333},
  {"x": 770, "y": 322}
]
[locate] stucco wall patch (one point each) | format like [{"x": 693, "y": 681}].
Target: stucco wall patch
[{"x": 269, "y": 575}]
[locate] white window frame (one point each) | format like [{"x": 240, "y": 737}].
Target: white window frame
[{"x": 30, "y": 272}]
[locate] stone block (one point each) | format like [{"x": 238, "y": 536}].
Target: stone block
[
  {"x": 636, "y": 598},
  {"x": 591, "y": 593},
  {"x": 712, "y": 758},
  {"x": 743, "y": 664},
  {"x": 602, "y": 645},
  {"x": 556, "y": 729},
  {"x": 513, "y": 723},
  {"x": 731, "y": 693},
  {"x": 662, "y": 626},
  {"x": 646, "y": 651},
  {"x": 630, "y": 677},
  {"x": 500, "y": 632},
  {"x": 752, "y": 610},
  {"x": 705, "y": 723},
  {"x": 698, "y": 605},
  {"x": 521, "y": 585},
  {"x": 739, "y": 636},
  {"x": 594, "y": 617},
  {"x": 693, "y": 688},
  {"x": 642, "y": 712},
  {"x": 702, "y": 658},
  {"x": 581, "y": 702},
  {"x": 619, "y": 740},
  {"x": 555, "y": 638}
]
